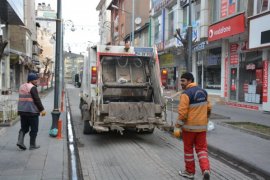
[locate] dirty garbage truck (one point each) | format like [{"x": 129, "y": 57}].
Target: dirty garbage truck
[{"x": 121, "y": 89}]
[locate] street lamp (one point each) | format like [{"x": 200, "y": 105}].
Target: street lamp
[
  {"x": 189, "y": 66},
  {"x": 132, "y": 20},
  {"x": 56, "y": 113}
]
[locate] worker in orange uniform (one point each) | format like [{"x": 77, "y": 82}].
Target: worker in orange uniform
[{"x": 194, "y": 110}]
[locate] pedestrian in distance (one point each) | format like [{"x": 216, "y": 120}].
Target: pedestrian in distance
[
  {"x": 193, "y": 110},
  {"x": 29, "y": 109}
]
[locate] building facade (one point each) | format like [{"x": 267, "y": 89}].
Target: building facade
[
  {"x": 11, "y": 13},
  {"x": 121, "y": 18},
  {"x": 222, "y": 61},
  {"x": 243, "y": 73},
  {"x": 104, "y": 21},
  {"x": 46, "y": 38}
]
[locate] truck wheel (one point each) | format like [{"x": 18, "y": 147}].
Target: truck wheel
[{"x": 87, "y": 129}]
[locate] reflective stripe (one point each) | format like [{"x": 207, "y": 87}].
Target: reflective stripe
[
  {"x": 188, "y": 154},
  {"x": 26, "y": 99},
  {"x": 195, "y": 127},
  {"x": 202, "y": 152},
  {"x": 180, "y": 122},
  {"x": 189, "y": 160},
  {"x": 203, "y": 157},
  {"x": 198, "y": 104}
]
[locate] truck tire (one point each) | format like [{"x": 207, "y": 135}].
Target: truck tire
[{"x": 87, "y": 129}]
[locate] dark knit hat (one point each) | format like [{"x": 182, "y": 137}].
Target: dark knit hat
[
  {"x": 32, "y": 76},
  {"x": 188, "y": 76}
]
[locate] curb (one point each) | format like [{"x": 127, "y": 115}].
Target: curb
[
  {"x": 11, "y": 123},
  {"x": 254, "y": 133},
  {"x": 241, "y": 165}
]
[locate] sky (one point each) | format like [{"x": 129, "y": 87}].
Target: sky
[{"x": 84, "y": 16}]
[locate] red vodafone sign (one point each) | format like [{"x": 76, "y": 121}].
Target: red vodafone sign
[{"x": 229, "y": 27}]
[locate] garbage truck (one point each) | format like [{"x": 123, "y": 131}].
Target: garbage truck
[{"x": 121, "y": 89}]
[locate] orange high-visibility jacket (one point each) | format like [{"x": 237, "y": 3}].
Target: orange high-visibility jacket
[{"x": 194, "y": 109}]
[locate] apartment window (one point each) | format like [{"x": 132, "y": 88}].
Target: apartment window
[
  {"x": 262, "y": 5},
  {"x": 215, "y": 10},
  {"x": 172, "y": 21},
  {"x": 242, "y": 5},
  {"x": 158, "y": 28}
]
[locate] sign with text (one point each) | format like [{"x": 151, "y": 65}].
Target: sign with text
[
  {"x": 223, "y": 9},
  {"x": 233, "y": 53},
  {"x": 232, "y": 6},
  {"x": 229, "y": 27},
  {"x": 265, "y": 81}
]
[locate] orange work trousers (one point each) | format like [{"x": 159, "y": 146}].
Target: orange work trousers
[{"x": 197, "y": 140}]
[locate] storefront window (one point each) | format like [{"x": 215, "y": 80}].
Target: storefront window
[
  {"x": 250, "y": 77},
  {"x": 212, "y": 69},
  {"x": 209, "y": 69}
]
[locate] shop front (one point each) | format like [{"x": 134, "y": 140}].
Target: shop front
[
  {"x": 171, "y": 67},
  {"x": 257, "y": 62},
  {"x": 209, "y": 68},
  {"x": 246, "y": 75}
]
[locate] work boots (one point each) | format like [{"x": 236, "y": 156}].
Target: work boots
[
  {"x": 20, "y": 143},
  {"x": 33, "y": 143}
]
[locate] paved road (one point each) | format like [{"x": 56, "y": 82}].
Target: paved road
[{"x": 135, "y": 156}]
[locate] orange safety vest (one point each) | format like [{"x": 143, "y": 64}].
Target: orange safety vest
[
  {"x": 193, "y": 109},
  {"x": 26, "y": 103}
]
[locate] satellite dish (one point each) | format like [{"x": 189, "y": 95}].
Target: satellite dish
[{"x": 138, "y": 20}]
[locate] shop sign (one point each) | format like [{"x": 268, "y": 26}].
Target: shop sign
[
  {"x": 172, "y": 43},
  {"x": 166, "y": 60},
  {"x": 224, "y": 8},
  {"x": 200, "y": 46},
  {"x": 233, "y": 53},
  {"x": 232, "y": 6},
  {"x": 226, "y": 78},
  {"x": 250, "y": 66},
  {"x": 265, "y": 81},
  {"x": 195, "y": 30},
  {"x": 227, "y": 28}
]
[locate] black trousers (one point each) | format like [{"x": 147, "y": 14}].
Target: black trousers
[{"x": 30, "y": 122}]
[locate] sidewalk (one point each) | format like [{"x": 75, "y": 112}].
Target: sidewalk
[
  {"x": 234, "y": 145},
  {"x": 48, "y": 162}
]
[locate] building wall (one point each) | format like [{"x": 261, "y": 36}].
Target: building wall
[
  {"x": 122, "y": 18},
  {"x": 104, "y": 22}
]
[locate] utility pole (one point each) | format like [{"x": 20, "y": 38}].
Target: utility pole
[
  {"x": 56, "y": 112},
  {"x": 132, "y": 21},
  {"x": 189, "y": 65}
]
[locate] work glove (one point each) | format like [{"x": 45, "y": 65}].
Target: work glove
[
  {"x": 177, "y": 132},
  {"x": 178, "y": 124},
  {"x": 43, "y": 113}
]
